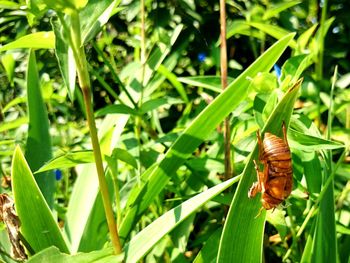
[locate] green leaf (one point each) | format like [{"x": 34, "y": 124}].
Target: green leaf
[
  {"x": 156, "y": 103},
  {"x": 39, "y": 40},
  {"x": 9, "y": 5},
  {"x": 124, "y": 156},
  {"x": 5, "y": 126},
  {"x": 274, "y": 31},
  {"x": 52, "y": 254},
  {"x": 81, "y": 204},
  {"x": 244, "y": 243},
  {"x": 37, "y": 223},
  {"x": 278, "y": 8},
  {"x": 142, "y": 196},
  {"x": 116, "y": 109},
  {"x": 65, "y": 58},
  {"x": 68, "y": 160},
  {"x": 93, "y": 16},
  {"x": 152, "y": 234},
  {"x": 38, "y": 146},
  {"x": 209, "y": 251},
  {"x": 324, "y": 246},
  {"x": 304, "y": 38},
  {"x": 312, "y": 171},
  {"x": 278, "y": 220},
  {"x": 302, "y": 141},
  {"x": 241, "y": 27},
  {"x": 8, "y": 62},
  {"x": 174, "y": 81},
  {"x": 209, "y": 82},
  {"x": 295, "y": 66},
  {"x": 95, "y": 234},
  {"x": 206, "y": 164}
]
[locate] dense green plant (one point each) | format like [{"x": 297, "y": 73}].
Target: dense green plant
[{"x": 162, "y": 151}]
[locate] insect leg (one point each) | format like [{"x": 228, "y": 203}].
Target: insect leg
[
  {"x": 262, "y": 177},
  {"x": 256, "y": 187}
]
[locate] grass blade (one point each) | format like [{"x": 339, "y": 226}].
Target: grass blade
[
  {"x": 37, "y": 223},
  {"x": 35, "y": 40},
  {"x": 147, "y": 238},
  {"x": 38, "y": 147}
]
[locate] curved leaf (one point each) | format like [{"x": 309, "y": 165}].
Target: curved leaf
[
  {"x": 35, "y": 40},
  {"x": 38, "y": 146},
  {"x": 38, "y": 226}
]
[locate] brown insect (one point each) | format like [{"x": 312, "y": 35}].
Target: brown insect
[{"x": 275, "y": 182}]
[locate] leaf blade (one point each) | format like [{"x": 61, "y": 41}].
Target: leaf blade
[{"x": 37, "y": 223}]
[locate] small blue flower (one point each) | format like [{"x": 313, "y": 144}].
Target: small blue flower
[
  {"x": 277, "y": 70},
  {"x": 201, "y": 56},
  {"x": 58, "y": 174}
]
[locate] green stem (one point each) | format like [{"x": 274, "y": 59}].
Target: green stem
[
  {"x": 319, "y": 65},
  {"x": 84, "y": 82},
  {"x": 223, "y": 68},
  {"x": 100, "y": 171}
]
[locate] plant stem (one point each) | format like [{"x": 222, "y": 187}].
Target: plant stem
[
  {"x": 319, "y": 65},
  {"x": 223, "y": 66},
  {"x": 84, "y": 82},
  {"x": 100, "y": 171}
]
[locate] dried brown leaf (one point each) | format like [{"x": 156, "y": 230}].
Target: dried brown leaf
[{"x": 8, "y": 215}]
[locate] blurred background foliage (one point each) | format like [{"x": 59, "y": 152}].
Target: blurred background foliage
[{"x": 176, "y": 99}]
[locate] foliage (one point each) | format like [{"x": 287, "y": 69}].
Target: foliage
[{"x": 158, "y": 106}]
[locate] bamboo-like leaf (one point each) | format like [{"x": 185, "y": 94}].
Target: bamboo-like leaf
[
  {"x": 116, "y": 109},
  {"x": 68, "y": 160},
  {"x": 52, "y": 254},
  {"x": 209, "y": 82},
  {"x": 208, "y": 120},
  {"x": 147, "y": 238},
  {"x": 93, "y": 16},
  {"x": 278, "y": 8},
  {"x": 5, "y": 126},
  {"x": 64, "y": 55},
  {"x": 37, "y": 223},
  {"x": 242, "y": 237},
  {"x": 35, "y": 40},
  {"x": 272, "y": 30},
  {"x": 38, "y": 147},
  {"x": 210, "y": 249},
  {"x": 306, "y": 142}
]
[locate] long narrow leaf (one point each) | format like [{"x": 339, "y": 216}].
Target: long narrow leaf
[
  {"x": 35, "y": 40},
  {"x": 38, "y": 147},
  {"x": 148, "y": 237},
  {"x": 37, "y": 223},
  {"x": 53, "y": 255}
]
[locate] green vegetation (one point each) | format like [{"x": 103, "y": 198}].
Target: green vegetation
[{"x": 111, "y": 129}]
